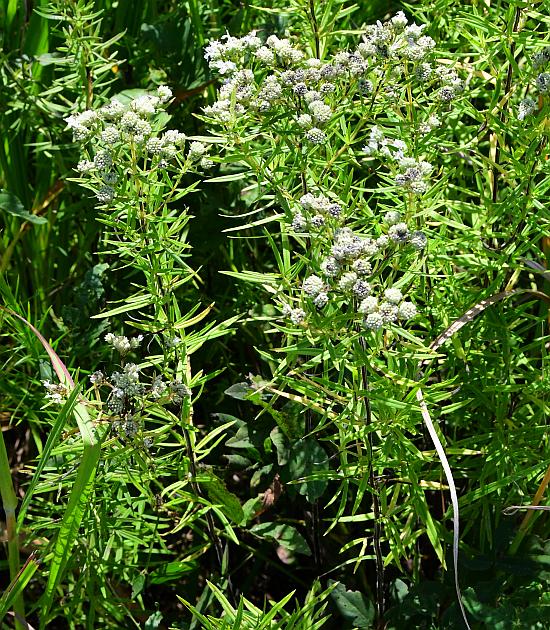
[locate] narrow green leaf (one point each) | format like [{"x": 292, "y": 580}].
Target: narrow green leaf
[
  {"x": 53, "y": 437},
  {"x": 131, "y": 304},
  {"x": 171, "y": 571},
  {"x": 17, "y": 585}
]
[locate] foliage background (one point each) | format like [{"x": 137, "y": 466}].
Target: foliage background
[{"x": 130, "y": 564}]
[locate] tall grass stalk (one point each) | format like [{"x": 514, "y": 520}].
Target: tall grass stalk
[{"x": 9, "y": 504}]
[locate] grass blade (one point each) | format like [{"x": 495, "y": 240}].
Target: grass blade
[
  {"x": 17, "y": 586},
  {"x": 468, "y": 316},
  {"x": 78, "y": 499}
]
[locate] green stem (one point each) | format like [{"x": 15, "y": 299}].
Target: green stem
[
  {"x": 524, "y": 527},
  {"x": 9, "y": 503},
  {"x": 507, "y": 89},
  {"x": 377, "y": 533},
  {"x": 315, "y": 26}
]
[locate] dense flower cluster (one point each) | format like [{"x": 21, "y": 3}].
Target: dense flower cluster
[
  {"x": 540, "y": 61},
  {"x": 55, "y": 392},
  {"x": 274, "y": 79},
  {"x": 290, "y": 80},
  {"x": 277, "y": 77},
  {"x": 123, "y": 345},
  {"x": 410, "y": 174},
  {"x": 127, "y": 391},
  {"x": 273, "y": 82},
  {"x": 380, "y": 145},
  {"x": 111, "y": 130},
  {"x": 349, "y": 272},
  {"x": 114, "y": 120},
  {"x": 127, "y": 394},
  {"x": 314, "y": 211},
  {"x": 396, "y": 39},
  {"x": 527, "y": 107}
]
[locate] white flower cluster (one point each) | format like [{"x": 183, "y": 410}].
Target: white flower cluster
[
  {"x": 122, "y": 344},
  {"x": 314, "y": 212},
  {"x": 396, "y": 39},
  {"x": 540, "y": 60},
  {"x": 379, "y": 145},
  {"x": 55, "y": 392},
  {"x": 399, "y": 232},
  {"x": 351, "y": 269},
  {"x": 543, "y": 82},
  {"x": 527, "y": 107},
  {"x": 127, "y": 390},
  {"x": 82, "y": 125},
  {"x": 411, "y": 174},
  {"x": 296, "y": 315},
  {"x": 315, "y": 136},
  {"x": 274, "y": 81},
  {"x": 278, "y": 78},
  {"x": 224, "y": 55},
  {"x": 228, "y": 53},
  {"x": 446, "y": 83},
  {"x": 431, "y": 123},
  {"x": 115, "y": 126},
  {"x": 132, "y": 120},
  {"x": 389, "y": 310},
  {"x": 293, "y": 82}
]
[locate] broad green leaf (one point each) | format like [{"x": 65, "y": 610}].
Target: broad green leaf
[
  {"x": 11, "y": 204},
  {"x": 220, "y": 495},
  {"x": 307, "y": 458},
  {"x": 353, "y": 606},
  {"x": 281, "y": 444},
  {"x": 285, "y": 535},
  {"x": 171, "y": 571},
  {"x": 153, "y": 621},
  {"x": 240, "y": 391}
]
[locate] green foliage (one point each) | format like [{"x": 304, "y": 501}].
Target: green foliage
[
  {"x": 353, "y": 606},
  {"x": 253, "y": 265}
]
